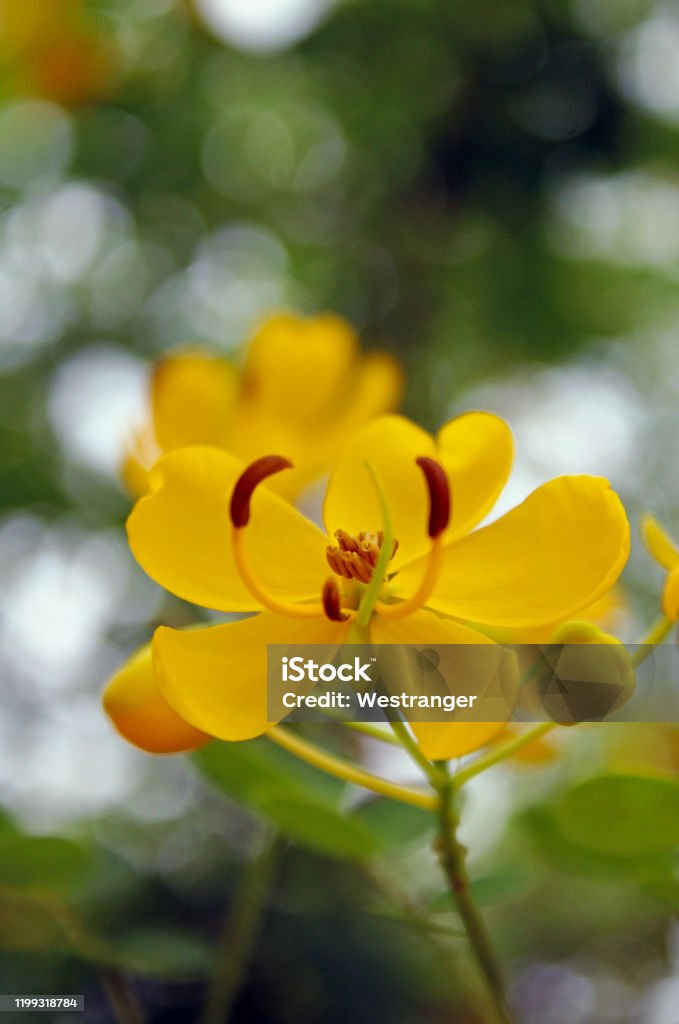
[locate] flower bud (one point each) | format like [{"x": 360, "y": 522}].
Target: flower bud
[
  {"x": 585, "y": 674},
  {"x": 670, "y": 597},
  {"x": 141, "y": 714}
]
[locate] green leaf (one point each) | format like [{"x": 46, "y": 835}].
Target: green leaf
[
  {"x": 665, "y": 891},
  {"x": 541, "y": 826},
  {"x": 322, "y": 828},
  {"x": 301, "y": 800},
  {"x": 165, "y": 953},
  {"x": 41, "y": 862},
  {"x": 27, "y": 926},
  {"x": 257, "y": 770},
  {"x": 622, "y": 815},
  {"x": 394, "y": 824}
]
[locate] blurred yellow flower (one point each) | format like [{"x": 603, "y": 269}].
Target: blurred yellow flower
[
  {"x": 663, "y": 549},
  {"x": 54, "y": 49},
  {"x": 304, "y": 388},
  {"x": 542, "y": 562}
]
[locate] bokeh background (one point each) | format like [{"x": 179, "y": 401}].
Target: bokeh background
[{"x": 490, "y": 191}]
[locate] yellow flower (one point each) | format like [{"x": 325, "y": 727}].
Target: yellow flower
[
  {"x": 208, "y": 533},
  {"x": 304, "y": 383},
  {"x": 663, "y": 549}
]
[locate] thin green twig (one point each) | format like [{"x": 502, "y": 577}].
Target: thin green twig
[
  {"x": 655, "y": 636},
  {"x": 239, "y": 936},
  {"x": 500, "y": 753}
]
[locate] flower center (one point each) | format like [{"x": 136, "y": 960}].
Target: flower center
[
  {"x": 355, "y": 558},
  {"x": 363, "y": 559}
]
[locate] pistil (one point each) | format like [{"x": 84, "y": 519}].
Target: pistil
[{"x": 439, "y": 517}]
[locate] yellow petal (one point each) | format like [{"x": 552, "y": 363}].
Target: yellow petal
[
  {"x": 181, "y": 535},
  {"x": 543, "y": 562},
  {"x": 659, "y": 543},
  {"x": 141, "y": 714},
  {"x": 439, "y": 741},
  {"x": 477, "y": 451},
  {"x": 216, "y": 678},
  {"x": 442, "y": 740},
  {"x": 294, "y": 364},
  {"x": 670, "y": 597},
  {"x": 424, "y": 627},
  {"x": 391, "y": 444},
  {"x": 192, "y": 396},
  {"x": 606, "y": 612}
]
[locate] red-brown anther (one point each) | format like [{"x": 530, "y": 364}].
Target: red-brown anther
[
  {"x": 249, "y": 479},
  {"x": 354, "y": 558},
  {"x": 345, "y": 541},
  {"x": 439, "y": 495},
  {"x": 332, "y": 604}
]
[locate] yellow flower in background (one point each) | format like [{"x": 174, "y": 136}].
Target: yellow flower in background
[
  {"x": 304, "y": 389},
  {"x": 208, "y": 533},
  {"x": 665, "y": 552},
  {"x": 54, "y": 49}
]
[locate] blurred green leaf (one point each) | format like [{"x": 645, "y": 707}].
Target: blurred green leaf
[
  {"x": 622, "y": 815},
  {"x": 256, "y": 769},
  {"x": 165, "y": 953},
  {"x": 28, "y": 926},
  {"x": 664, "y": 890},
  {"x": 540, "y": 825},
  {"x": 298, "y": 798},
  {"x": 321, "y": 828},
  {"x": 41, "y": 862},
  {"x": 393, "y": 824}
]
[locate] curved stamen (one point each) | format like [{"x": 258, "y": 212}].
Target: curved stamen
[
  {"x": 439, "y": 517},
  {"x": 439, "y": 495},
  {"x": 332, "y": 602},
  {"x": 249, "y": 479}
]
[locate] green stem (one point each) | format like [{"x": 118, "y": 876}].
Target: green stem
[
  {"x": 655, "y": 635},
  {"x": 372, "y": 591},
  {"x": 373, "y": 731},
  {"x": 409, "y": 744},
  {"x": 239, "y": 936},
  {"x": 452, "y": 858},
  {"x": 500, "y": 753},
  {"x": 344, "y": 770}
]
